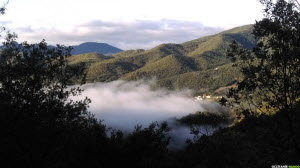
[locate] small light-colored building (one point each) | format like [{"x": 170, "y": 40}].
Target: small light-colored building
[{"x": 198, "y": 98}]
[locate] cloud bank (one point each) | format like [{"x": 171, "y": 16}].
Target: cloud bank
[
  {"x": 122, "y": 105},
  {"x": 125, "y": 35}
]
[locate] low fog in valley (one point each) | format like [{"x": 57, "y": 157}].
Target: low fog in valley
[{"x": 124, "y": 104}]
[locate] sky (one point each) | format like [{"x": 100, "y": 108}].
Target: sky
[{"x": 127, "y": 24}]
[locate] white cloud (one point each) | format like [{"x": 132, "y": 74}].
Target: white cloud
[
  {"x": 51, "y": 19},
  {"x": 124, "y": 104},
  {"x": 125, "y": 35}
]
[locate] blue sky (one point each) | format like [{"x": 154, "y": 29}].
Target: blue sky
[{"x": 127, "y": 24}]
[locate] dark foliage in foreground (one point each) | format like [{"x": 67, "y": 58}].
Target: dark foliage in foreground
[
  {"x": 204, "y": 118},
  {"x": 272, "y": 69},
  {"x": 41, "y": 127},
  {"x": 255, "y": 142}
]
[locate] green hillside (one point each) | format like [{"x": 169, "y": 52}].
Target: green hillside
[
  {"x": 206, "y": 81},
  {"x": 200, "y": 64},
  {"x": 128, "y": 53},
  {"x": 109, "y": 70},
  {"x": 163, "y": 68},
  {"x": 87, "y": 58},
  {"x": 209, "y": 52}
]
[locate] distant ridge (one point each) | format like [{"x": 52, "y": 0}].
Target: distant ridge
[
  {"x": 200, "y": 64},
  {"x": 93, "y": 47},
  {"x": 89, "y": 47}
]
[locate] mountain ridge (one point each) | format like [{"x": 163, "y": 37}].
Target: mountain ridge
[
  {"x": 94, "y": 47},
  {"x": 199, "y": 64}
]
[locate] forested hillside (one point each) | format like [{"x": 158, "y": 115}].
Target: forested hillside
[{"x": 199, "y": 64}]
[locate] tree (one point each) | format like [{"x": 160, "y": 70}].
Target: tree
[
  {"x": 40, "y": 125},
  {"x": 2, "y": 12},
  {"x": 271, "y": 71}
]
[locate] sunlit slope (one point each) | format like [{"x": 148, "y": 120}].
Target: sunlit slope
[
  {"x": 115, "y": 68},
  {"x": 129, "y": 53},
  {"x": 189, "y": 65},
  {"x": 210, "y": 51},
  {"x": 87, "y": 58},
  {"x": 205, "y": 81},
  {"x": 163, "y": 68}
]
